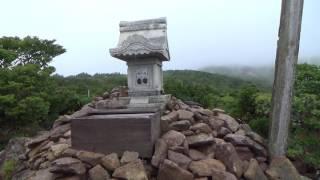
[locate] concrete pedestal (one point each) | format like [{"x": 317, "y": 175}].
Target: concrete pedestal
[{"x": 119, "y": 131}]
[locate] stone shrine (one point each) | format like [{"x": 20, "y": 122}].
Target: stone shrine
[
  {"x": 143, "y": 45},
  {"x": 133, "y": 121}
]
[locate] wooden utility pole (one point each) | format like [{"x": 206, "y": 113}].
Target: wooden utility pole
[{"x": 286, "y": 60}]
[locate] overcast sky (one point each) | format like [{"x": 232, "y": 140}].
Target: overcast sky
[{"x": 201, "y": 33}]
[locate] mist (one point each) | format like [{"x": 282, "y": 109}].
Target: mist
[{"x": 210, "y": 33}]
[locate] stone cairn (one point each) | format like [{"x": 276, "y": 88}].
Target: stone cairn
[{"x": 196, "y": 143}]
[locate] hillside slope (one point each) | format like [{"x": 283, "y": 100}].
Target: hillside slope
[
  {"x": 259, "y": 75},
  {"x": 217, "y": 81},
  {"x": 197, "y": 143}
]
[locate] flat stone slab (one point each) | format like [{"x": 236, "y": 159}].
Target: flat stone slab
[{"x": 107, "y": 133}]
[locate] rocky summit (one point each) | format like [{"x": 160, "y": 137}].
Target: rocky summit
[{"x": 196, "y": 143}]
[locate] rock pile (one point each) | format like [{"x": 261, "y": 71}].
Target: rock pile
[{"x": 196, "y": 143}]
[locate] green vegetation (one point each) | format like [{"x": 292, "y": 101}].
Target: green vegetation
[
  {"x": 253, "y": 105},
  {"x": 7, "y": 169},
  {"x": 31, "y": 96},
  {"x": 261, "y": 76}
]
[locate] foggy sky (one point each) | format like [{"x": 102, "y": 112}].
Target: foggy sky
[{"x": 200, "y": 33}]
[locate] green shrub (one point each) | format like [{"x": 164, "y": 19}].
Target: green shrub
[
  {"x": 261, "y": 126},
  {"x": 8, "y": 169}
]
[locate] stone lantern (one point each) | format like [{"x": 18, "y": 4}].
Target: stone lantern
[{"x": 143, "y": 45}]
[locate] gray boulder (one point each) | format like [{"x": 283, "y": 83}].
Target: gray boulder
[
  {"x": 98, "y": 173},
  {"x": 131, "y": 171},
  {"x": 171, "y": 171},
  {"x": 160, "y": 153},
  {"x": 200, "y": 139},
  {"x": 173, "y": 138},
  {"x": 180, "y": 159},
  {"x": 110, "y": 161},
  {"x": 254, "y": 172},
  {"x": 67, "y": 165}
]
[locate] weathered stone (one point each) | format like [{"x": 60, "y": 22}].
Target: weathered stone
[
  {"x": 50, "y": 156},
  {"x": 110, "y": 161},
  {"x": 160, "y": 153},
  {"x": 59, "y": 131},
  {"x": 185, "y": 115},
  {"x": 46, "y": 146},
  {"x": 64, "y": 141},
  {"x": 245, "y": 127},
  {"x": 215, "y": 123},
  {"x": 167, "y": 119},
  {"x": 305, "y": 178},
  {"x": 36, "y": 141},
  {"x": 217, "y": 111},
  {"x": 184, "y": 148},
  {"x": 14, "y": 148},
  {"x": 226, "y": 153},
  {"x": 109, "y": 104},
  {"x": 129, "y": 156},
  {"x": 171, "y": 117},
  {"x": 214, "y": 133},
  {"x": 72, "y": 177},
  {"x": 223, "y": 132},
  {"x": 201, "y": 128},
  {"x": 62, "y": 120},
  {"x": 196, "y": 155},
  {"x": 264, "y": 166},
  {"x": 173, "y": 138},
  {"x": 97, "y": 98},
  {"x": 171, "y": 171},
  {"x": 45, "y": 165},
  {"x": 67, "y": 165},
  {"x": 231, "y": 123},
  {"x": 69, "y": 153},
  {"x": 98, "y": 173},
  {"x": 240, "y": 132},
  {"x": 261, "y": 159},
  {"x": 89, "y": 157},
  {"x": 239, "y": 140},
  {"x": 254, "y": 171},
  {"x": 27, "y": 174},
  {"x": 199, "y": 139},
  {"x": 67, "y": 134},
  {"x": 58, "y": 149},
  {"x": 106, "y": 95},
  {"x": 188, "y": 133},
  {"x": 244, "y": 153},
  {"x": 202, "y": 178},
  {"x": 37, "y": 163},
  {"x": 180, "y": 159},
  {"x": 182, "y": 125},
  {"x": 222, "y": 175},
  {"x": 282, "y": 168},
  {"x": 182, "y": 105},
  {"x": 41, "y": 175},
  {"x": 256, "y": 137},
  {"x": 205, "y": 167},
  {"x": 85, "y": 110},
  {"x": 199, "y": 117},
  {"x": 206, "y": 112},
  {"x": 131, "y": 171}
]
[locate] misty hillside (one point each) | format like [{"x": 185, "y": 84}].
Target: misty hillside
[
  {"x": 259, "y": 75},
  {"x": 217, "y": 81}
]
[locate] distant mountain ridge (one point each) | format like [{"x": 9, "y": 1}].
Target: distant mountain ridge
[
  {"x": 259, "y": 75},
  {"x": 217, "y": 81}
]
